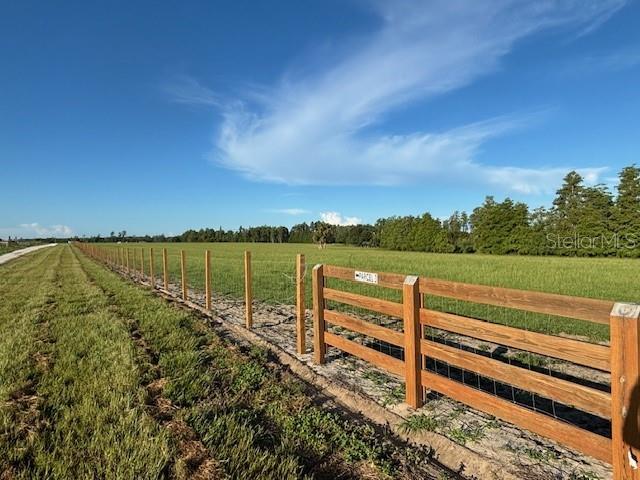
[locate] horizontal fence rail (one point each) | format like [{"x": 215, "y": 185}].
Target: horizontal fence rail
[
  {"x": 621, "y": 358},
  {"x": 588, "y": 309}
]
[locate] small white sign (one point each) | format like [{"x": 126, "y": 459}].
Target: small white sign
[{"x": 366, "y": 277}]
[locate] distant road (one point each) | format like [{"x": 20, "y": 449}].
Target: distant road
[{"x": 18, "y": 253}]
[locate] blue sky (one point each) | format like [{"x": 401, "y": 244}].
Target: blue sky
[{"x": 162, "y": 116}]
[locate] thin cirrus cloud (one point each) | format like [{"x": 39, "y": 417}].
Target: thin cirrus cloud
[
  {"x": 187, "y": 90},
  {"x": 35, "y": 230},
  {"x": 316, "y": 129},
  {"x": 604, "y": 62},
  {"x": 290, "y": 211}
]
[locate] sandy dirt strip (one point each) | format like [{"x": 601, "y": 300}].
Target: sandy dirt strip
[{"x": 18, "y": 253}]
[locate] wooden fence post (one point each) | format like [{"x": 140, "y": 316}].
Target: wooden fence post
[
  {"x": 127, "y": 249},
  {"x": 165, "y": 269},
  {"x": 411, "y": 314},
  {"x": 142, "y": 263},
  {"x": 423, "y": 335},
  {"x": 248, "y": 294},
  {"x": 207, "y": 279},
  {"x": 625, "y": 391},
  {"x": 317, "y": 286},
  {"x": 300, "y": 307},
  {"x": 183, "y": 273},
  {"x": 152, "y": 277}
]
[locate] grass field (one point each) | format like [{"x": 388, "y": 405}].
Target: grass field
[
  {"x": 274, "y": 276},
  {"x": 101, "y": 379}
]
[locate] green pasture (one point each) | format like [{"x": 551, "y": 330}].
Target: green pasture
[{"x": 273, "y": 267}]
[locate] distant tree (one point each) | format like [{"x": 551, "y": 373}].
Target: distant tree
[
  {"x": 301, "y": 233},
  {"x": 581, "y": 218},
  {"x": 322, "y": 233},
  {"x": 425, "y": 234},
  {"x": 500, "y": 228},
  {"x": 457, "y": 228},
  {"x": 595, "y": 224},
  {"x": 626, "y": 212},
  {"x": 566, "y": 213}
]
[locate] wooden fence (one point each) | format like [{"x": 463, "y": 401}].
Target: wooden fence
[
  {"x": 621, "y": 359},
  {"x": 124, "y": 258}
]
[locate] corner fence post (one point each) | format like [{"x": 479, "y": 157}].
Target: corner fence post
[
  {"x": 152, "y": 277},
  {"x": 625, "y": 391},
  {"x": 207, "y": 279},
  {"x": 183, "y": 273},
  {"x": 300, "y": 307},
  {"x": 248, "y": 294},
  {"x": 165, "y": 269},
  {"x": 317, "y": 284},
  {"x": 411, "y": 317}
]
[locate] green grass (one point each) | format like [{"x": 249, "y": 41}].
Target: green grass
[
  {"x": 274, "y": 276},
  {"x": 257, "y": 420},
  {"x": 420, "y": 423},
  {"x": 72, "y": 403},
  {"x": 79, "y": 353}
]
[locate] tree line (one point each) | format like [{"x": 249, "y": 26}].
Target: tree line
[{"x": 582, "y": 221}]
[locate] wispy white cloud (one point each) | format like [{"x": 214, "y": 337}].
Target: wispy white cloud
[
  {"x": 316, "y": 129},
  {"x": 603, "y": 62},
  {"x": 187, "y": 90},
  {"x": 335, "y": 218},
  {"x": 533, "y": 181},
  {"x": 35, "y": 230},
  {"x": 290, "y": 211}
]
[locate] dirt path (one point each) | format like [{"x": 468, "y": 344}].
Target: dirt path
[{"x": 18, "y": 253}]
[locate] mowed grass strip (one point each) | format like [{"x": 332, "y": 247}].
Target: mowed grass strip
[
  {"x": 26, "y": 292},
  {"x": 93, "y": 423},
  {"x": 26, "y": 288},
  {"x": 257, "y": 420}
]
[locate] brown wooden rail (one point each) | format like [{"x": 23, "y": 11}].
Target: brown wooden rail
[
  {"x": 587, "y": 309},
  {"x": 575, "y": 351},
  {"x": 625, "y": 350}
]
